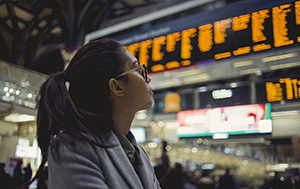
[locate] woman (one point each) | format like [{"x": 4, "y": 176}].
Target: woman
[{"x": 84, "y": 117}]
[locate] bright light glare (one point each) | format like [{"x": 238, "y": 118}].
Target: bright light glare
[
  {"x": 245, "y": 162},
  {"x": 19, "y": 117},
  {"x": 194, "y": 150},
  {"x": 152, "y": 145},
  {"x": 29, "y": 95},
  {"x": 283, "y": 165},
  {"x": 220, "y": 136},
  {"x": 141, "y": 116}
]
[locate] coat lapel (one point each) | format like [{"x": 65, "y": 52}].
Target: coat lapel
[
  {"x": 121, "y": 161},
  {"x": 144, "y": 172}
]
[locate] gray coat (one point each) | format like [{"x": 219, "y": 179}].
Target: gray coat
[{"x": 83, "y": 165}]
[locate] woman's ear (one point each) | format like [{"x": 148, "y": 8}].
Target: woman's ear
[{"x": 115, "y": 87}]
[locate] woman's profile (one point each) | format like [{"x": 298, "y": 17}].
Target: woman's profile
[{"x": 84, "y": 117}]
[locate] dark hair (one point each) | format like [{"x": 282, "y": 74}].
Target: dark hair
[{"x": 83, "y": 111}]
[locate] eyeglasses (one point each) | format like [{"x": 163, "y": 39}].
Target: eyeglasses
[{"x": 141, "y": 69}]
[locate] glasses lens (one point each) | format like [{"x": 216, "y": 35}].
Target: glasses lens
[
  {"x": 144, "y": 72},
  {"x": 141, "y": 71}
]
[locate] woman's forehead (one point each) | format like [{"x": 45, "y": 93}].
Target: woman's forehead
[
  {"x": 130, "y": 59},
  {"x": 130, "y": 56}
]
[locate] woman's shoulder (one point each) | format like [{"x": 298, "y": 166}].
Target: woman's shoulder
[
  {"x": 65, "y": 146},
  {"x": 65, "y": 138},
  {"x": 64, "y": 141}
]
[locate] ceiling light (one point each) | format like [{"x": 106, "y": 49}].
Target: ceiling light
[
  {"x": 16, "y": 117},
  {"x": 233, "y": 85}
]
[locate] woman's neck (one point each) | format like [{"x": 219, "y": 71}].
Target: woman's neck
[{"x": 122, "y": 120}]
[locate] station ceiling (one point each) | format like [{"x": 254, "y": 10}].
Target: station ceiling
[{"x": 33, "y": 32}]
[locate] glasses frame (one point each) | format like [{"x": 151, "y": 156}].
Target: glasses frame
[{"x": 144, "y": 73}]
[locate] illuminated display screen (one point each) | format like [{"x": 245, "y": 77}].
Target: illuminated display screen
[
  {"x": 26, "y": 151},
  {"x": 225, "y": 121},
  {"x": 286, "y": 88},
  {"x": 196, "y": 40},
  {"x": 173, "y": 102},
  {"x": 225, "y": 97}
]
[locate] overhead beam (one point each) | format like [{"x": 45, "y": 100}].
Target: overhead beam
[{"x": 145, "y": 18}]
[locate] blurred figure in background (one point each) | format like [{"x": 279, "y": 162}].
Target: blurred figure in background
[
  {"x": 162, "y": 171},
  {"x": 265, "y": 185},
  {"x": 27, "y": 172},
  {"x": 189, "y": 182},
  {"x": 172, "y": 178},
  {"x": 5, "y": 179},
  {"x": 297, "y": 182},
  {"x": 205, "y": 181},
  {"x": 181, "y": 180},
  {"x": 287, "y": 184},
  {"x": 276, "y": 183},
  {"x": 177, "y": 175},
  {"x": 227, "y": 181},
  {"x": 18, "y": 176},
  {"x": 22, "y": 175}
]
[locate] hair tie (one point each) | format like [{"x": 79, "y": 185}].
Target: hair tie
[{"x": 67, "y": 83}]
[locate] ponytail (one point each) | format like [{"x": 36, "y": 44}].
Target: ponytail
[
  {"x": 50, "y": 89},
  {"x": 57, "y": 113},
  {"x": 52, "y": 102}
]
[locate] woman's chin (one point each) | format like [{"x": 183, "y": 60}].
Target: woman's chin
[{"x": 149, "y": 105}]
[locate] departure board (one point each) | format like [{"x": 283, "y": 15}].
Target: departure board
[
  {"x": 285, "y": 88},
  {"x": 252, "y": 32}
]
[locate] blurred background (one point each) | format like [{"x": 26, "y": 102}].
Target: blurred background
[{"x": 225, "y": 74}]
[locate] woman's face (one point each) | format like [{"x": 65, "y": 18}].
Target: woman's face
[{"x": 137, "y": 92}]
